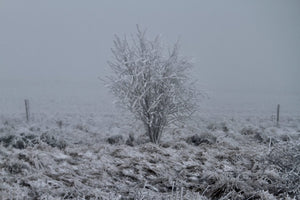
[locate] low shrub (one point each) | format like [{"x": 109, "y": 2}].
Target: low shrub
[
  {"x": 53, "y": 141},
  {"x": 205, "y": 138},
  {"x": 116, "y": 139},
  {"x": 22, "y": 141}
]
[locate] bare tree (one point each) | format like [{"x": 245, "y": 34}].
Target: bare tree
[{"x": 151, "y": 83}]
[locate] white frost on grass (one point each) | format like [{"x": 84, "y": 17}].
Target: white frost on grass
[{"x": 227, "y": 158}]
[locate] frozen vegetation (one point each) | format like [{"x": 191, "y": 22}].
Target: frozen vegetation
[
  {"x": 108, "y": 156},
  {"x": 158, "y": 151},
  {"x": 152, "y": 83},
  {"x": 175, "y": 138}
]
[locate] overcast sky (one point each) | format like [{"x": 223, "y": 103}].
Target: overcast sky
[{"x": 251, "y": 46}]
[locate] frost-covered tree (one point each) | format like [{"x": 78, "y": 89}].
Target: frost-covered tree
[{"x": 151, "y": 82}]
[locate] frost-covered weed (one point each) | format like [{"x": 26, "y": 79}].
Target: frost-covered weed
[{"x": 285, "y": 158}]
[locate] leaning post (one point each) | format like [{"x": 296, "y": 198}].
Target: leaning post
[
  {"x": 277, "y": 119},
  {"x": 27, "y": 110}
]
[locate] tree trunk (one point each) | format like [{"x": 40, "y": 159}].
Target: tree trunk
[{"x": 153, "y": 133}]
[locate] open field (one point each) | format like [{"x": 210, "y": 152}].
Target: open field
[
  {"x": 224, "y": 75},
  {"x": 107, "y": 156}
]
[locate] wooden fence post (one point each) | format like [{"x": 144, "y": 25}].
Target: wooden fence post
[
  {"x": 27, "y": 110},
  {"x": 278, "y": 109}
]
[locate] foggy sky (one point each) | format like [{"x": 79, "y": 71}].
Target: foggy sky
[{"x": 251, "y": 46}]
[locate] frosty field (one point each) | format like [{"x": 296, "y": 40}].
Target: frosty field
[
  {"x": 89, "y": 154},
  {"x": 201, "y": 82}
]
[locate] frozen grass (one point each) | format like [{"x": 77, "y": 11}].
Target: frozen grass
[{"x": 79, "y": 157}]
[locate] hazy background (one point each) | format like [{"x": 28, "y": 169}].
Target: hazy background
[{"x": 246, "y": 54}]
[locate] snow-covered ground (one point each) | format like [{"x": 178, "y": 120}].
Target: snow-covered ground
[{"x": 84, "y": 148}]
